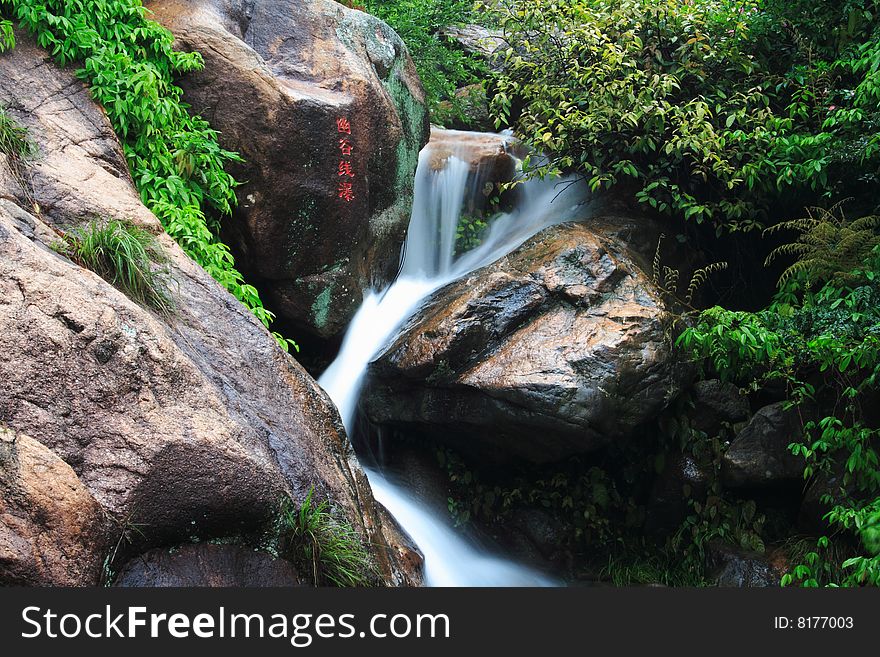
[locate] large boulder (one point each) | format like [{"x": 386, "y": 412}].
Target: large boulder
[
  {"x": 558, "y": 348},
  {"x": 52, "y": 531},
  {"x": 188, "y": 426},
  {"x": 278, "y": 76}
]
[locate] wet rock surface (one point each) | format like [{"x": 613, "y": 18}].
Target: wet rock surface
[{"x": 556, "y": 349}]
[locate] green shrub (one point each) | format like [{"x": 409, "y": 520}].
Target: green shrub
[
  {"x": 174, "y": 156},
  {"x": 326, "y": 548},
  {"x": 708, "y": 110},
  {"x": 821, "y": 338},
  {"x": 127, "y": 257},
  {"x": 7, "y": 36},
  {"x": 443, "y": 68}
]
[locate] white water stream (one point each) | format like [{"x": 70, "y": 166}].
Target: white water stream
[{"x": 445, "y": 180}]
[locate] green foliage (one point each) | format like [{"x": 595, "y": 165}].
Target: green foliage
[
  {"x": 470, "y": 232},
  {"x": 319, "y": 544},
  {"x": 821, "y": 336},
  {"x": 442, "y": 67},
  {"x": 636, "y": 569},
  {"x": 7, "y": 36},
  {"x": 174, "y": 156},
  {"x": 15, "y": 142},
  {"x": 829, "y": 246},
  {"x": 127, "y": 257},
  {"x": 707, "y": 111},
  {"x": 667, "y": 278},
  {"x": 713, "y": 516}
]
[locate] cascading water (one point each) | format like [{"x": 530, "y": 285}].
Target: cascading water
[{"x": 445, "y": 182}]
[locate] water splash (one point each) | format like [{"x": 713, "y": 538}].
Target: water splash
[{"x": 447, "y": 180}]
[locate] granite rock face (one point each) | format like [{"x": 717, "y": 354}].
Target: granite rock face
[
  {"x": 190, "y": 425},
  {"x": 324, "y": 104}
]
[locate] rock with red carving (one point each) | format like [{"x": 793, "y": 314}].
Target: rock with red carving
[
  {"x": 324, "y": 104},
  {"x": 157, "y": 428}
]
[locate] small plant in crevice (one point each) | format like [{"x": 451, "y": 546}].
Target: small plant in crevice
[
  {"x": 321, "y": 546},
  {"x": 127, "y": 530},
  {"x": 14, "y": 139},
  {"x": 127, "y": 257},
  {"x": 18, "y": 147}
]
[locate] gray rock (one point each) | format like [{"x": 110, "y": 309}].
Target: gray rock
[
  {"x": 716, "y": 402},
  {"x": 735, "y": 568},
  {"x": 759, "y": 454},
  {"x": 476, "y": 40}
]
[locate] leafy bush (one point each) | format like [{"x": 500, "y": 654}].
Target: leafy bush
[
  {"x": 7, "y": 36},
  {"x": 127, "y": 257},
  {"x": 442, "y": 67},
  {"x": 326, "y": 548},
  {"x": 174, "y": 156},
  {"x": 704, "y": 110},
  {"x": 821, "y": 337}
]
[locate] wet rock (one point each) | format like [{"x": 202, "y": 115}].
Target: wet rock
[
  {"x": 190, "y": 425},
  {"x": 557, "y": 349},
  {"x": 206, "y": 565},
  {"x": 715, "y": 403},
  {"x": 759, "y": 454},
  {"x": 741, "y": 569},
  {"x": 544, "y": 532},
  {"x": 52, "y": 531},
  {"x": 278, "y": 76},
  {"x": 470, "y": 111}
]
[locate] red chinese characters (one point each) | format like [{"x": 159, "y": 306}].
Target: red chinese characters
[{"x": 345, "y": 191}]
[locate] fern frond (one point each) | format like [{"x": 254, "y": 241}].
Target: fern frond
[{"x": 700, "y": 276}]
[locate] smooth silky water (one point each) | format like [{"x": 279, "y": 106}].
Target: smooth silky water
[{"x": 445, "y": 181}]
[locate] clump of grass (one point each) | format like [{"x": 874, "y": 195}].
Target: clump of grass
[
  {"x": 15, "y": 142},
  {"x": 127, "y": 257},
  {"x": 318, "y": 543},
  {"x": 641, "y": 570}
]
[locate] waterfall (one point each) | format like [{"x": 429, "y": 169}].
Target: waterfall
[{"x": 446, "y": 181}]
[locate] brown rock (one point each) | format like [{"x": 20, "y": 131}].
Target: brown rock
[
  {"x": 192, "y": 425},
  {"x": 205, "y": 565},
  {"x": 556, "y": 349},
  {"x": 278, "y": 74},
  {"x": 52, "y": 531}
]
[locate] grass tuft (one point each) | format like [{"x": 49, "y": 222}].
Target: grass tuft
[
  {"x": 329, "y": 549},
  {"x": 14, "y": 140},
  {"x": 127, "y": 257}
]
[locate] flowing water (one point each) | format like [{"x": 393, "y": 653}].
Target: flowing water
[{"x": 446, "y": 182}]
